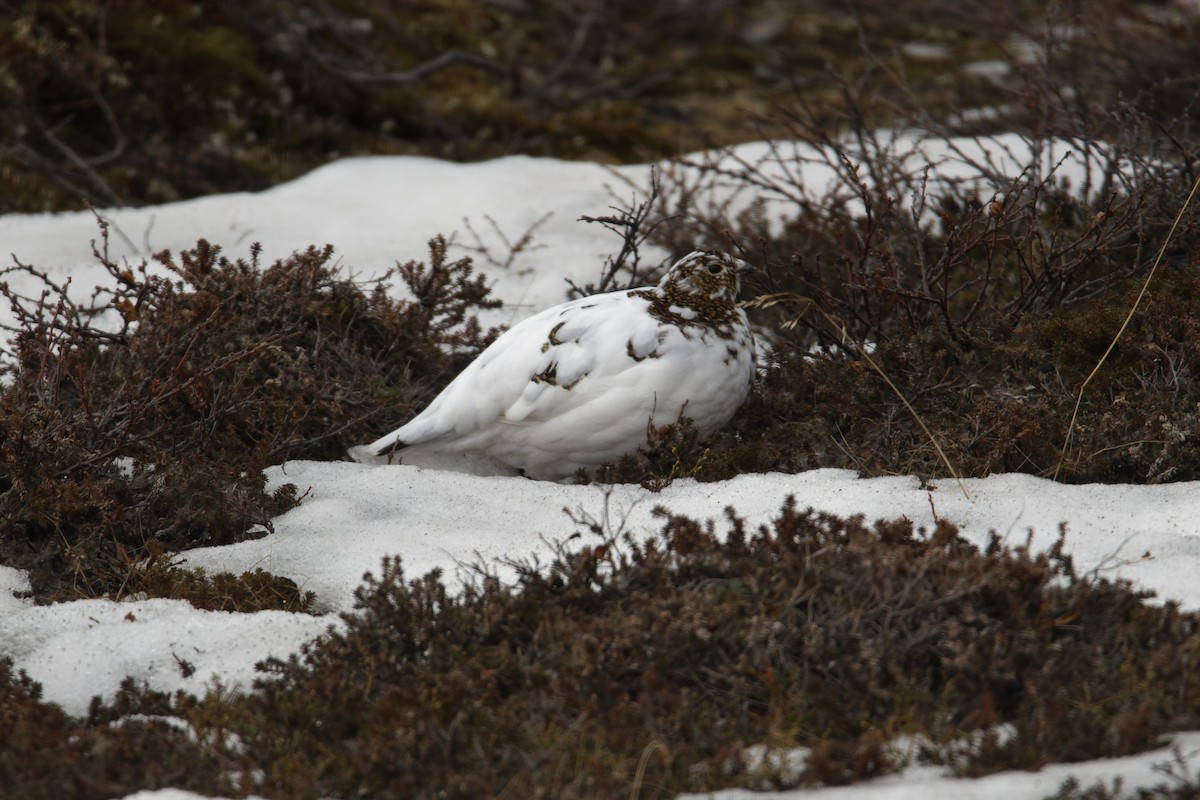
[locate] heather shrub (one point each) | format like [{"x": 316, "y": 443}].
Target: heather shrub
[
  {"x": 138, "y": 423},
  {"x": 890, "y": 301},
  {"x": 653, "y": 664},
  {"x": 44, "y": 753}
]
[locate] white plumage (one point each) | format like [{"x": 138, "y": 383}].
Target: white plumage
[{"x": 576, "y": 385}]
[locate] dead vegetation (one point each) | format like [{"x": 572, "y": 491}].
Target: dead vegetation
[
  {"x": 655, "y": 663},
  {"x": 146, "y": 101},
  {"x": 154, "y": 100},
  {"x": 984, "y": 309},
  {"x": 985, "y": 301},
  {"x": 136, "y": 423}
]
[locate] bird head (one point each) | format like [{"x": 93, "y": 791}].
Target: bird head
[{"x": 704, "y": 275}]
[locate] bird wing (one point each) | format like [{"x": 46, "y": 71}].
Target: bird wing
[
  {"x": 597, "y": 350},
  {"x": 542, "y": 367}
]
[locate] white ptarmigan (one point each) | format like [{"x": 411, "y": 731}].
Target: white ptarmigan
[{"x": 576, "y": 385}]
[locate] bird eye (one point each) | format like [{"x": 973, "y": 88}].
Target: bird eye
[{"x": 714, "y": 268}]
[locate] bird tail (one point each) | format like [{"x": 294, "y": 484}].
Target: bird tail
[{"x": 368, "y": 454}]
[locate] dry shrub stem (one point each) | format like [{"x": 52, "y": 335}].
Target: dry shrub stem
[
  {"x": 639, "y": 667},
  {"x": 137, "y": 423},
  {"x": 980, "y": 299},
  {"x": 767, "y": 301}
]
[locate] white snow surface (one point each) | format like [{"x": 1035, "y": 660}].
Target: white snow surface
[{"x": 381, "y": 210}]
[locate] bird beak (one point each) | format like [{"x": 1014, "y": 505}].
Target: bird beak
[{"x": 745, "y": 269}]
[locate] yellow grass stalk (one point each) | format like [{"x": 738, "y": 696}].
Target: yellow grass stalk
[
  {"x": 1121, "y": 331},
  {"x": 766, "y": 301}
]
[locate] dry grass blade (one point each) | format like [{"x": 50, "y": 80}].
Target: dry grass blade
[
  {"x": 1125, "y": 324},
  {"x": 640, "y": 775},
  {"x": 766, "y": 301},
  {"x": 932, "y": 439}
]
